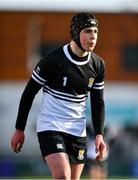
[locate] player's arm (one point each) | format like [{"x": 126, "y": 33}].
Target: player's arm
[
  {"x": 24, "y": 107},
  {"x": 34, "y": 85},
  {"x": 98, "y": 111},
  {"x": 98, "y": 120},
  {"x": 26, "y": 101}
]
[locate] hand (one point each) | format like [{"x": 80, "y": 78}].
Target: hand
[
  {"x": 17, "y": 140},
  {"x": 100, "y": 147}
]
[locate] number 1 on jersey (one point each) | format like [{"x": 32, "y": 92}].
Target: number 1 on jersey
[{"x": 64, "y": 81}]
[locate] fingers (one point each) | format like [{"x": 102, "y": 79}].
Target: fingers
[
  {"x": 17, "y": 141},
  {"x": 101, "y": 152},
  {"x": 17, "y": 147},
  {"x": 97, "y": 147},
  {"x": 100, "y": 147},
  {"x": 99, "y": 157}
]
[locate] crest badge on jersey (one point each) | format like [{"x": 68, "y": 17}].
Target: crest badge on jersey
[
  {"x": 81, "y": 154},
  {"x": 91, "y": 80}
]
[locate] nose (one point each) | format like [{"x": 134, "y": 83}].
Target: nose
[{"x": 92, "y": 36}]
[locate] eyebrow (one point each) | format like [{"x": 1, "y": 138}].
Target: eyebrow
[{"x": 88, "y": 29}]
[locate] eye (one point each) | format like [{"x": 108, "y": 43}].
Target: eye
[
  {"x": 96, "y": 31},
  {"x": 87, "y": 30}
]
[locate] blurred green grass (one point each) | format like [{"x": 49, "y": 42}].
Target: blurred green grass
[{"x": 82, "y": 177}]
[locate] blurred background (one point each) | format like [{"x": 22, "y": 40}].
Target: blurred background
[{"x": 29, "y": 29}]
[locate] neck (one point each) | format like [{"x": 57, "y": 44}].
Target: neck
[{"x": 76, "y": 50}]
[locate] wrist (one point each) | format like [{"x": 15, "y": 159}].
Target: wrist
[
  {"x": 19, "y": 131},
  {"x": 99, "y": 136}
]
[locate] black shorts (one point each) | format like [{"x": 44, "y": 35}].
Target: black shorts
[{"x": 53, "y": 142}]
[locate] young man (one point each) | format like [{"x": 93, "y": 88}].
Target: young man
[{"x": 66, "y": 75}]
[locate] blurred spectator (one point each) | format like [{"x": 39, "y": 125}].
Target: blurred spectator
[{"x": 123, "y": 154}]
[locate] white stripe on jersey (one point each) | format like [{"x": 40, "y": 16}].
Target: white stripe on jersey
[
  {"x": 98, "y": 85},
  {"x": 66, "y": 96},
  {"x": 59, "y": 115},
  {"x": 65, "y": 49},
  {"x": 37, "y": 78}
]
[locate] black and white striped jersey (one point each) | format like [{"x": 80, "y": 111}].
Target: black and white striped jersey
[{"x": 66, "y": 81}]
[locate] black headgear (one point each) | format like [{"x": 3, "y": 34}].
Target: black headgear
[{"x": 79, "y": 22}]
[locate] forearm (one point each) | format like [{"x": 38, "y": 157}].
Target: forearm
[
  {"x": 23, "y": 111},
  {"x": 98, "y": 119},
  {"x": 98, "y": 112},
  {"x": 25, "y": 104}
]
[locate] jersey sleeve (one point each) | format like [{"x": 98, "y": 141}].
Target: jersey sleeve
[
  {"x": 25, "y": 104},
  {"x": 99, "y": 81},
  {"x": 40, "y": 74},
  {"x": 97, "y": 101},
  {"x": 43, "y": 71}
]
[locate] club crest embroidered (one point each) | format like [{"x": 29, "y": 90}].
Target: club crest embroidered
[
  {"x": 81, "y": 154},
  {"x": 90, "y": 82}
]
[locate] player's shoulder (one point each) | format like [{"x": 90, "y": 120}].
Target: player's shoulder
[
  {"x": 52, "y": 56},
  {"x": 56, "y": 52},
  {"x": 97, "y": 60}
]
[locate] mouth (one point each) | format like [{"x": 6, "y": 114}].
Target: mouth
[{"x": 92, "y": 44}]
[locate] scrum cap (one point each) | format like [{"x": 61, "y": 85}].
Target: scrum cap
[{"x": 79, "y": 22}]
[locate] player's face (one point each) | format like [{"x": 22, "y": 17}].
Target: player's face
[{"x": 88, "y": 38}]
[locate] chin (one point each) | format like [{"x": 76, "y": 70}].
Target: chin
[{"x": 91, "y": 49}]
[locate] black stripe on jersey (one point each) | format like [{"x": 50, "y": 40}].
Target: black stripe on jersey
[
  {"x": 65, "y": 96},
  {"x": 98, "y": 85},
  {"x": 37, "y": 78}
]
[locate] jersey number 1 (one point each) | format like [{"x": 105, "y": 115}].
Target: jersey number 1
[{"x": 64, "y": 81}]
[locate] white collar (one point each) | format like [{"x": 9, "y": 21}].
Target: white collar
[{"x": 65, "y": 49}]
